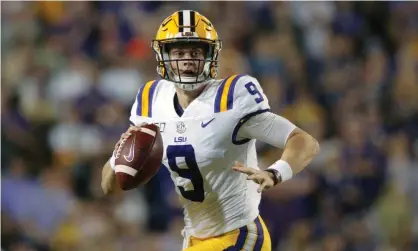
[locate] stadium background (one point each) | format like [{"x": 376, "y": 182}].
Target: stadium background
[{"x": 345, "y": 72}]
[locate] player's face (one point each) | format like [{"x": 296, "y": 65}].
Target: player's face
[{"x": 191, "y": 60}]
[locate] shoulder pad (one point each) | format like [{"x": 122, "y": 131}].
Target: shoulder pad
[
  {"x": 145, "y": 97},
  {"x": 224, "y": 99},
  {"x": 242, "y": 93}
]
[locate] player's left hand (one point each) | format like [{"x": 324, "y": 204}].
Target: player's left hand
[{"x": 265, "y": 179}]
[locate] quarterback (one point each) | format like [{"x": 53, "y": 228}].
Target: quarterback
[{"x": 209, "y": 127}]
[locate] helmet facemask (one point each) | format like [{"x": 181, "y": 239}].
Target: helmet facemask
[{"x": 207, "y": 67}]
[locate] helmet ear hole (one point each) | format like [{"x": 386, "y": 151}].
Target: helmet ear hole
[{"x": 161, "y": 70}]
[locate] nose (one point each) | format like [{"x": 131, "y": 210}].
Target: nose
[{"x": 188, "y": 60}]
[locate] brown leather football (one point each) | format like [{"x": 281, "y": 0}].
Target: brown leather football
[{"x": 139, "y": 157}]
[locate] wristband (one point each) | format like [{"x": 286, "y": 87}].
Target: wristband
[
  {"x": 283, "y": 168},
  {"x": 276, "y": 176}
]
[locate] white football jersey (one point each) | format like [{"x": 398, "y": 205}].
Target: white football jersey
[{"x": 201, "y": 146}]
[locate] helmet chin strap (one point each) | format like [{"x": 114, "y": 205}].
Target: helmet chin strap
[{"x": 191, "y": 86}]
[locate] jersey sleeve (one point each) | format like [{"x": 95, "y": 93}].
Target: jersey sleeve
[
  {"x": 267, "y": 127},
  {"x": 134, "y": 118},
  {"x": 249, "y": 97},
  {"x": 244, "y": 96},
  {"x": 142, "y": 108}
]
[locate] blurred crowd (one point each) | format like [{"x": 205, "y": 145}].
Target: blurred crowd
[{"x": 345, "y": 72}]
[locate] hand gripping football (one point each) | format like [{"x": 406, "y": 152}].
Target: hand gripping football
[{"x": 139, "y": 157}]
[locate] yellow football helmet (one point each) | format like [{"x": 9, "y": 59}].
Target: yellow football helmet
[{"x": 187, "y": 26}]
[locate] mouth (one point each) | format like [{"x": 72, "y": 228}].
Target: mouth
[{"x": 188, "y": 73}]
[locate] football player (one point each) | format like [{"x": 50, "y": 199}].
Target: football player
[{"x": 209, "y": 127}]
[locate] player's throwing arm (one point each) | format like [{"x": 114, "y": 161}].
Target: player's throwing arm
[{"x": 300, "y": 148}]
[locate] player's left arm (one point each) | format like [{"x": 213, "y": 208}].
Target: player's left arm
[
  {"x": 299, "y": 148},
  {"x": 108, "y": 182}
]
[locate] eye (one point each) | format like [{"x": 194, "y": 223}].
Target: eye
[
  {"x": 197, "y": 53},
  {"x": 178, "y": 53}
]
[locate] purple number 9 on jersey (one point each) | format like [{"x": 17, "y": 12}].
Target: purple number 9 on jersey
[{"x": 252, "y": 89}]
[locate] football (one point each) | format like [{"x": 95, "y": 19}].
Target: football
[{"x": 139, "y": 157}]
